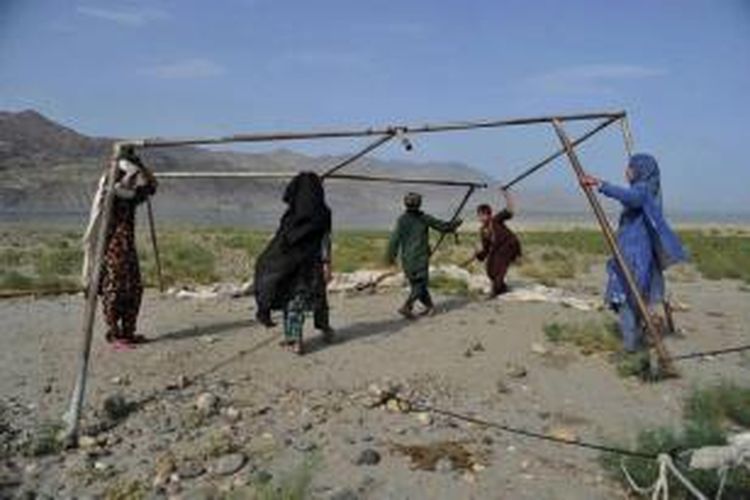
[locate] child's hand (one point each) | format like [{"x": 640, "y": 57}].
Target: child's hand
[{"x": 590, "y": 181}]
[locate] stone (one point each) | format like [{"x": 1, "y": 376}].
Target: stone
[
  {"x": 392, "y": 406},
  {"x": 207, "y": 404},
  {"x": 163, "y": 469},
  {"x": 87, "y": 442},
  {"x": 190, "y": 470},
  {"x": 516, "y": 371},
  {"x": 477, "y": 467},
  {"x": 502, "y": 387},
  {"x": 305, "y": 446},
  {"x": 368, "y": 457},
  {"x": 564, "y": 433},
  {"x": 228, "y": 464},
  {"x": 116, "y": 407},
  {"x": 538, "y": 348},
  {"x": 102, "y": 466},
  {"x": 444, "y": 466},
  {"x": 424, "y": 418},
  {"x": 232, "y": 414}
]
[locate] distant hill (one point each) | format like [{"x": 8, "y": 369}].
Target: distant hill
[{"x": 48, "y": 171}]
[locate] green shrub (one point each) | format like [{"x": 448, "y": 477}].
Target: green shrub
[
  {"x": 707, "y": 414},
  {"x": 14, "y": 280},
  {"x": 590, "y": 336},
  {"x": 719, "y": 404},
  {"x": 188, "y": 261},
  {"x": 61, "y": 260}
]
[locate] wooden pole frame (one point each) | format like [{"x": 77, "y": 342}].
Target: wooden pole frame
[
  {"x": 159, "y": 142},
  {"x": 666, "y": 367},
  {"x": 560, "y": 152},
  {"x": 72, "y": 416},
  {"x": 332, "y": 177},
  {"x": 454, "y": 218},
  {"x": 154, "y": 244},
  {"x": 359, "y": 154}
]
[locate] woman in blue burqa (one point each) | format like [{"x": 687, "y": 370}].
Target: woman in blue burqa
[
  {"x": 292, "y": 272},
  {"x": 647, "y": 242}
]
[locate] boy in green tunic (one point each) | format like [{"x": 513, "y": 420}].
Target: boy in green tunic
[{"x": 410, "y": 238}]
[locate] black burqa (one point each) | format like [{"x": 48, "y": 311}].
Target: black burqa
[{"x": 294, "y": 248}]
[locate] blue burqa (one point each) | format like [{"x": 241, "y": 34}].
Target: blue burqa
[{"x": 647, "y": 242}]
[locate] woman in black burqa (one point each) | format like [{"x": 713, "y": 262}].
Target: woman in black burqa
[{"x": 292, "y": 271}]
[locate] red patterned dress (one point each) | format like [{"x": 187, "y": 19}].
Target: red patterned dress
[{"x": 121, "y": 288}]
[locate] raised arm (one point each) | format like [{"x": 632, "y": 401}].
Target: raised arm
[
  {"x": 632, "y": 197},
  {"x": 510, "y": 202}
]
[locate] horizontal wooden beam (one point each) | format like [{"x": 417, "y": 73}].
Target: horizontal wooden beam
[
  {"x": 339, "y": 177},
  {"x": 389, "y": 130}
]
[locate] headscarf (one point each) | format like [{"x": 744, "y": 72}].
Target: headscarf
[
  {"x": 646, "y": 172},
  {"x": 307, "y": 211}
]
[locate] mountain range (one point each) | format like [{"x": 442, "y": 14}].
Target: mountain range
[{"x": 49, "y": 171}]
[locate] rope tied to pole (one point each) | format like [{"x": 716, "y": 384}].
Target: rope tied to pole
[{"x": 660, "y": 488}]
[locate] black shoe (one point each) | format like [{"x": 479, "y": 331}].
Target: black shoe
[{"x": 264, "y": 318}]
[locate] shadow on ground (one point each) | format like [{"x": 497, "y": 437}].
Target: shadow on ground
[
  {"x": 200, "y": 331},
  {"x": 365, "y": 329}
]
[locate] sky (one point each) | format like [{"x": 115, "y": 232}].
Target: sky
[{"x": 129, "y": 68}]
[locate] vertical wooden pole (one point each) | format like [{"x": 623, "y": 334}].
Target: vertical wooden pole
[
  {"x": 73, "y": 415},
  {"x": 665, "y": 363},
  {"x": 154, "y": 244},
  {"x": 627, "y": 138}
]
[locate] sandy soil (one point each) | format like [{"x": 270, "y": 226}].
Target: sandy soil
[{"x": 291, "y": 408}]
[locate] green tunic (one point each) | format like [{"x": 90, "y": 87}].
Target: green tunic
[{"x": 411, "y": 239}]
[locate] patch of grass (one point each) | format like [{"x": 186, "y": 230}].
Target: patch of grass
[
  {"x": 11, "y": 257},
  {"x": 590, "y": 336},
  {"x": 719, "y": 256},
  {"x": 706, "y": 420},
  {"x": 549, "y": 267},
  {"x": 635, "y": 364},
  {"x": 36, "y": 259},
  {"x": 188, "y": 261},
  {"x": 126, "y": 490},
  {"x": 14, "y": 280},
  {"x": 358, "y": 250},
  {"x": 449, "y": 286},
  {"x": 219, "y": 444},
  {"x": 43, "y": 440},
  {"x": 293, "y": 486},
  {"x": 586, "y": 241},
  {"x": 719, "y": 405},
  {"x": 59, "y": 260}
]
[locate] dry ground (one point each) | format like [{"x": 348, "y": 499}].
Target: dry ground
[{"x": 309, "y": 410}]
